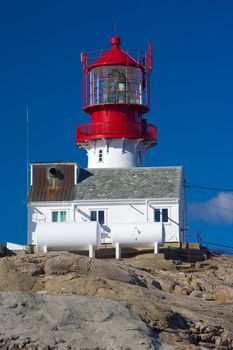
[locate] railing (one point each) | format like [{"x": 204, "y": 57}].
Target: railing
[
  {"x": 192, "y": 235},
  {"x": 116, "y": 130}
]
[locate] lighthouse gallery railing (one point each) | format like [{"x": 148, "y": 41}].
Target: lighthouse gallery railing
[{"x": 116, "y": 130}]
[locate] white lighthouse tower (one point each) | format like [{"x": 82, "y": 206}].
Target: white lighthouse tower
[{"x": 116, "y": 95}]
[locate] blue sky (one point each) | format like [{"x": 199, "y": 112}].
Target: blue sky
[{"x": 191, "y": 94}]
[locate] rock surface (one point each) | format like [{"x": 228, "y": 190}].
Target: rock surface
[
  {"x": 61, "y": 322},
  {"x": 67, "y": 301}
]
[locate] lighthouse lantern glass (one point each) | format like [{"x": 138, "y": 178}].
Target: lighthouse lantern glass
[{"x": 115, "y": 84}]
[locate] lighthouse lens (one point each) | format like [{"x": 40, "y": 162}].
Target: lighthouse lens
[{"x": 116, "y": 84}]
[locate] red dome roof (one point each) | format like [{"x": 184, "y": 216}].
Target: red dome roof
[{"x": 115, "y": 57}]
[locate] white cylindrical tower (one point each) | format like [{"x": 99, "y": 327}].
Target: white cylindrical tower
[{"x": 118, "y": 153}]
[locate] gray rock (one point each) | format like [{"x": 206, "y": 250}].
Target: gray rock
[
  {"x": 183, "y": 308},
  {"x": 83, "y": 266},
  {"x": 81, "y": 322}
]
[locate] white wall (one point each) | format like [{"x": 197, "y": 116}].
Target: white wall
[
  {"x": 43, "y": 213},
  {"x": 137, "y": 211},
  {"x": 119, "y": 153}
]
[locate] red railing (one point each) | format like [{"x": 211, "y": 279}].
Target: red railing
[{"x": 115, "y": 130}]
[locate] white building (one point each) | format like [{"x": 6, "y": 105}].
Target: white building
[{"x": 111, "y": 196}]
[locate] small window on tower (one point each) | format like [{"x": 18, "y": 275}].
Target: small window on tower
[
  {"x": 139, "y": 157},
  {"x": 100, "y": 157}
]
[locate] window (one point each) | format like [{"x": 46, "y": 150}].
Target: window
[
  {"x": 59, "y": 216},
  {"x": 139, "y": 157},
  {"x": 100, "y": 157},
  {"x": 165, "y": 215},
  {"x": 157, "y": 215},
  {"x": 161, "y": 215},
  {"x": 121, "y": 95},
  {"x": 116, "y": 84},
  {"x": 97, "y": 215},
  {"x": 93, "y": 215}
]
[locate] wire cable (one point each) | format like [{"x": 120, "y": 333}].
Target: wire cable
[{"x": 208, "y": 188}]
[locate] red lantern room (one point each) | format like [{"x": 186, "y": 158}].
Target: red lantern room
[{"x": 116, "y": 95}]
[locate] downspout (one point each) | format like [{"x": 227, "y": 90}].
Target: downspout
[
  {"x": 74, "y": 211},
  {"x": 147, "y": 210}
]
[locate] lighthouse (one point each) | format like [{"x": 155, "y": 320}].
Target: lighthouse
[
  {"x": 116, "y": 96},
  {"x": 116, "y": 200}
]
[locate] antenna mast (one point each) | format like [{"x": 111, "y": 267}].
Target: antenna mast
[
  {"x": 27, "y": 148},
  {"x": 115, "y": 28}
]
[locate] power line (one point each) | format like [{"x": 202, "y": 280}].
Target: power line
[
  {"x": 208, "y": 188},
  {"x": 230, "y": 197},
  {"x": 217, "y": 244}
]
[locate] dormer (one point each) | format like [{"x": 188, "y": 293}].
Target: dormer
[{"x": 53, "y": 181}]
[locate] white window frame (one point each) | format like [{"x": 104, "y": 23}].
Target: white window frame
[
  {"x": 97, "y": 210},
  {"x": 160, "y": 209},
  {"x": 100, "y": 155},
  {"x": 59, "y": 214}
]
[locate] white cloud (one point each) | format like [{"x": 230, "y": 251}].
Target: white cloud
[{"x": 216, "y": 210}]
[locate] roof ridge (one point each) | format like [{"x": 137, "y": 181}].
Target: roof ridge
[{"x": 138, "y": 168}]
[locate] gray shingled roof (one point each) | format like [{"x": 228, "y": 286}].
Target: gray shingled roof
[{"x": 159, "y": 182}]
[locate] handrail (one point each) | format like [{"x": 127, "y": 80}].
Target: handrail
[{"x": 116, "y": 130}]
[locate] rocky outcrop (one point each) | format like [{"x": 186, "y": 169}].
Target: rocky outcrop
[
  {"x": 33, "y": 321},
  {"x": 173, "y": 307}
]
